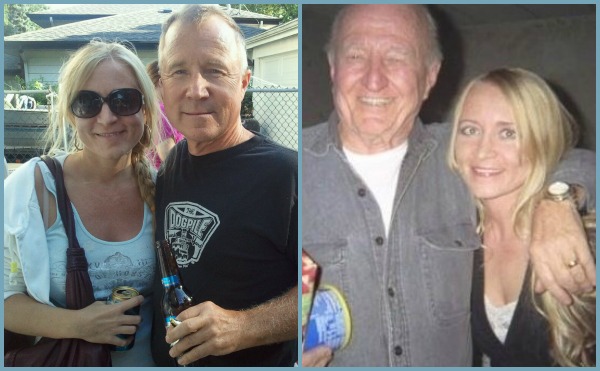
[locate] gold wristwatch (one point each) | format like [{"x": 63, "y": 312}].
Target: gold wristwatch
[{"x": 561, "y": 191}]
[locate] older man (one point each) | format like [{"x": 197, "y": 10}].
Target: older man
[
  {"x": 382, "y": 214},
  {"x": 229, "y": 196}
]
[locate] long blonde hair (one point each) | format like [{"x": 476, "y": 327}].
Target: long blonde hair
[
  {"x": 546, "y": 130},
  {"x": 62, "y": 135},
  {"x": 572, "y": 327}
]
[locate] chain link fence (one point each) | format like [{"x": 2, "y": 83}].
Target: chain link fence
[
  {"x": 24, "y": 125},
  {"x": 275, "y": 111}
]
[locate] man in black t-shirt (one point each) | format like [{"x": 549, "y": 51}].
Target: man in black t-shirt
[{"x": 227, "y": 201}]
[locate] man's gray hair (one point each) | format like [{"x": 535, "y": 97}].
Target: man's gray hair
[
  {"x": 196, "y": 14},
  {"x": 433, "y": 41}
]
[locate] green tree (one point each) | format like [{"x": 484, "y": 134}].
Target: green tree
[
  {"x": 16, "y": 20},
  {"x": 286, "y": 12}
]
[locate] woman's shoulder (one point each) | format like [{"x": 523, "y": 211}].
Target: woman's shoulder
[
  {"x": 23, "y": 175},
  {"x": 19, "y": 192},
  {"x": 19, "y": 185}
]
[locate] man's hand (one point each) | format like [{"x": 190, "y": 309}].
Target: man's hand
[
  {"x": 559, "y": 250},
  {"x": 317, "y": 357},
  {"x": 205, "y": 329}
]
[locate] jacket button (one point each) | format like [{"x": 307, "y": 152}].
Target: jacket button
[
  {"x": 379, "y": 240},
  {"x": 398, "y": 350},
  {"x": 458, "y": 243},
  {"x": 362, "y": 192},
  {"x": 391, "y": 292}
]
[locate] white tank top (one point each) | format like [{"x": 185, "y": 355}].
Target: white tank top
[{"x": 110, "y": 264}]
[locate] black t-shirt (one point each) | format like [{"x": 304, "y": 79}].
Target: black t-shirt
[{"x": 232, "y": 220}]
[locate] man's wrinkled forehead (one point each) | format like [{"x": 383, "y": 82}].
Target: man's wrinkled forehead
[
  {"x": 389, "y": 26},
  {"x": 376, "y": 16}
]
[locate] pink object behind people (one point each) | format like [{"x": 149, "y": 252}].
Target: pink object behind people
[{"x": 166, "y": 131}]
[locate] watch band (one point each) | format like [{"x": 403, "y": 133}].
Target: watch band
[{"x": 561, "y": 191}]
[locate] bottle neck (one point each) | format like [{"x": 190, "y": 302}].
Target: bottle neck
[{"x": 168, "y": 265}]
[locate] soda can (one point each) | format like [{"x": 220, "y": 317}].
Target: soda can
[
  {"x": 118, "y": 295},
  {"x": 329, "y": 323}
]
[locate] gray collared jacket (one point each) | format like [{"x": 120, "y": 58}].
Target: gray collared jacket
[{"x": 408, "y": 292}]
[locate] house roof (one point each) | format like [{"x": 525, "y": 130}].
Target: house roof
[
  {"x": 281, "y": 31},
  {"x": 79, "y": 13},
  {"x": 140, "y": 27}
]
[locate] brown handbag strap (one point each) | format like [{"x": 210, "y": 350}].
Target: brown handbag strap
[
  {"x": 62, "y": 199},
  {"x": 79, "y": 290}
]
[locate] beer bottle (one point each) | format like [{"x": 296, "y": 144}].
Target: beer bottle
[{"x": 175, "y": 299}]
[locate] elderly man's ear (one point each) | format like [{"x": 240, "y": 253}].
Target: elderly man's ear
[
  {"x": 246, "y": 79},
  {"x": 432, "y": 75}
]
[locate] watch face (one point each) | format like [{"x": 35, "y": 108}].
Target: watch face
[{"x": 558, "y": 188}]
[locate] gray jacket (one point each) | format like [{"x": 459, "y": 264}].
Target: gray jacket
[{"x": 408, "y": 293}]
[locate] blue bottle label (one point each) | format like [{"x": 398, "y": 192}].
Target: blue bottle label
[
  {"x": 168, "y": 320},
  {"x": 170, "y": 281}
]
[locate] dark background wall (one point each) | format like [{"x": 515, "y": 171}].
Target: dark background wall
[{"x": 557, "y": 42}]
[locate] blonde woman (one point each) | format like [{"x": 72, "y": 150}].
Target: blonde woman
[
  {"x": 510, "y": 131},
  {"x": 106, "y": 114}
]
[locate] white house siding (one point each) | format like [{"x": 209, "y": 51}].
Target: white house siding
[
  {"x": 281, "y": 69},
  {"x": 45, "y": 64},
  {"x": 277, "y": 63}
]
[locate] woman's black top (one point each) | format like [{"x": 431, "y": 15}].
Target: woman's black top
[{"x": 527, "y": 340}]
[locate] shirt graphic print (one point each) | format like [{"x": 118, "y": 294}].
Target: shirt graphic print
[{"x": 188, "y": 228}]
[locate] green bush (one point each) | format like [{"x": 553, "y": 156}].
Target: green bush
[
  {"x": 38, "y": 84},
  {"x": 247, "y": 107}
]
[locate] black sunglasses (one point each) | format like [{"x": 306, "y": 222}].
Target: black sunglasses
[{"x": 122, "y": 102}]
